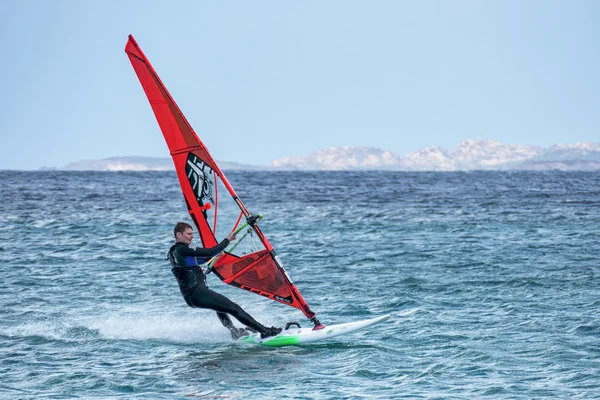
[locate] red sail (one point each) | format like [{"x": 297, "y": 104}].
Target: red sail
[{"x": 199, "y": 175}]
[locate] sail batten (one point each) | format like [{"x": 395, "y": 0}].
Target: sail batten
[{"x": 260, "y": 270}]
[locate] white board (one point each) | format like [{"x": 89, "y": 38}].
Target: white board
[{"x": 295, "y": 336}]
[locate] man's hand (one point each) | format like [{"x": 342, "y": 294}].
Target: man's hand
[{"x": 231, "y": 236}]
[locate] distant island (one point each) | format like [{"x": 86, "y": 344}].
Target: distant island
[
  {"x": 135, "y": 163},
  {"x": 469, "y": 155}
]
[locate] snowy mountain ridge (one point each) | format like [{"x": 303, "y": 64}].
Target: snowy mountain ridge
[{"x": 470, "y": 154}]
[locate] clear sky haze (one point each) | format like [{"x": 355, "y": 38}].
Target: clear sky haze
[{"x": 261, "y": 80}]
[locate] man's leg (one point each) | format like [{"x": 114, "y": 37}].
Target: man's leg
[
  {"x": 203, "y": 297},
  {"x": 236, "y": 333},
  {"x": 225, "y": 320}
]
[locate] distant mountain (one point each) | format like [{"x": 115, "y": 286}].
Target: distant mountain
[
  {"x": 341, "y": 158},
  {"x": 477, "y": 154},
  {"x": 123, "y": 164},
  {"x": 133, "y": 163},
  {"x": 472, "y": 154},
  {"x": 568, "y": 152}
]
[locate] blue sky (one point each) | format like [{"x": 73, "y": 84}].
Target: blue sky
[{"x": 261, "y": 80}]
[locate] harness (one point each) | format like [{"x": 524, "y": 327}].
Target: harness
[{"x": 186, "y": 270}]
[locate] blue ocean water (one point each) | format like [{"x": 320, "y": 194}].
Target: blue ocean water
[{"x": 492, "y": 280}]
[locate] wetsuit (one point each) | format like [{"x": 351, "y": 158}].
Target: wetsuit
[{"x": 192, "y": 284}]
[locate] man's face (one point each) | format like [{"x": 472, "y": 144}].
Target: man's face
[{"x": 185, "y": 236}]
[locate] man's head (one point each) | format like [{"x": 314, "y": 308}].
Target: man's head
[{"x": 183, "y": 233}]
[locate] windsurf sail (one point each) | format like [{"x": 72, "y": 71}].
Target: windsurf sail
[{"x": 213, "y": 203}]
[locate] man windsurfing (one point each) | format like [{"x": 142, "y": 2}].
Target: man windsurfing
[{"x": 185, "y": 261}]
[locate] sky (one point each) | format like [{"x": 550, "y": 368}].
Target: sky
[{"x": 262, "y": 80}]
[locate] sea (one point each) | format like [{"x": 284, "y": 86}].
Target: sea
[{"x": 492, "y": 280}]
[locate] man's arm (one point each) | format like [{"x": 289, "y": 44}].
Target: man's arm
[{"x": 201, "y": 251}]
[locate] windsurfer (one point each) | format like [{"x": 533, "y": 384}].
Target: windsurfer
[{"x": 185, "y": 259}]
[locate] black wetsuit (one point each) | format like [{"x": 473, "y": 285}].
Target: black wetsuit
[{"x": 192, "y": 284}]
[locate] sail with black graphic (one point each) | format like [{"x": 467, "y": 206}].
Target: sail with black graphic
[{"x": 249, "y": 263}]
